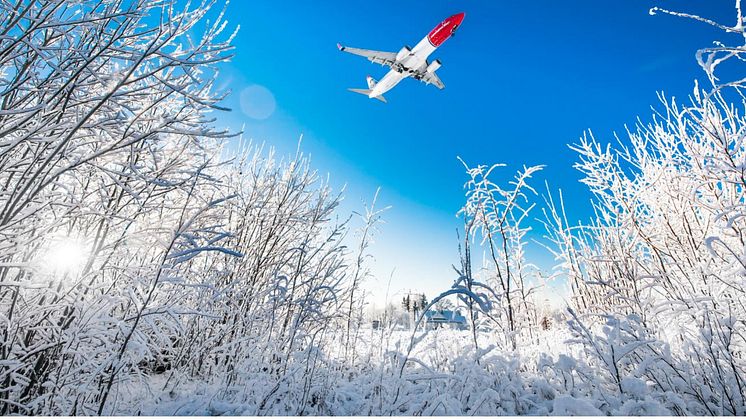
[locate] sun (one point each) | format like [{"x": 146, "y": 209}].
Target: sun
[{"x": 64, "y": 255}]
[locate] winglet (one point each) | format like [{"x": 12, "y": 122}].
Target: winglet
[{"x": 340, "y": 47}]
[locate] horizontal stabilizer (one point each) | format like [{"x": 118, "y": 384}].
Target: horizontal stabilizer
[{"x": 366, "y": 92}]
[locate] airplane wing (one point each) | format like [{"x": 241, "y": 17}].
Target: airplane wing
[
  {"x": 432, "y": 78},
  {"x": 378, "y": 57}
]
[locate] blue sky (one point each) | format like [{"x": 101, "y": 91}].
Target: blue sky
[{"x": 523, "y": 80}]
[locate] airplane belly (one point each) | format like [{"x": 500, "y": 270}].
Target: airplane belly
[
  {"x": 391, "y": 79},
  {"x": 419, "y": 55},
  {"x": 414, "y": 61},
  {"x": 423, "y": 49}
]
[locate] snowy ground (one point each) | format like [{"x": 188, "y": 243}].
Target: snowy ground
[{"x": 441, "y": 377}]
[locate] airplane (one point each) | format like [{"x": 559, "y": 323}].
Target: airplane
[{"x": 408, "y": 62}]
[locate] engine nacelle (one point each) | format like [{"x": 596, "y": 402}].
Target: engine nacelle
[
  {"x": 403, "y": 53},
  {"x": 433, "y": 66}
]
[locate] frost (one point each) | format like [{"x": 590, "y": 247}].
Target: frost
[
  {"x": 646, "y": 407},
  {"x": 634, "y": 387},
  {"x": 571, "y": 406}
]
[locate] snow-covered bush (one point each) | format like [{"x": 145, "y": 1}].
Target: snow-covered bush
[
  {"x": 104, "y": 165},
  {"x": 495, "y": 218},
  {"x": 662, "y": 265},
  {"x": 129, "y": 247}
]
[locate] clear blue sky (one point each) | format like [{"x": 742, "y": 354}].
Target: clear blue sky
[{"x": 523, "y": 80}]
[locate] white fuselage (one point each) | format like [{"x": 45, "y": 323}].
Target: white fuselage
[{"x": 416, "y": 59}]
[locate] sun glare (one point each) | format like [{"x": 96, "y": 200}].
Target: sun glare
[{"x": 65, "y": 255}]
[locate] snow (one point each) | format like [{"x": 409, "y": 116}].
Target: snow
[
  {"x": 572, "y": 406},
  {"x": 142, "y": 273},
  {"x": 441, "y": 378}
]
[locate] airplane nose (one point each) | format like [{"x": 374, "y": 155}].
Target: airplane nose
[{"x": 445, "y": 29}]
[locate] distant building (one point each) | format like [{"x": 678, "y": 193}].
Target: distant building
[{"x": 453, "y": 319}]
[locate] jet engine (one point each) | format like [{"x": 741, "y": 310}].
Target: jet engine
[
  {"x": 403, "y": 53},
  {"x": 433, "y": 66}
]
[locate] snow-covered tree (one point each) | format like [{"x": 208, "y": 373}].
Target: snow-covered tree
[
  {"x": 661, "y": 268},
  {"x": 129, "y": 245},
  {"x": 495, "y": 218}
]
